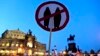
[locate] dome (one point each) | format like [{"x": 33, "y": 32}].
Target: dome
[{"x": 17, "y": 34}]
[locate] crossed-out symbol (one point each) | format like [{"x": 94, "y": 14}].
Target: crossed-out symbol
[{"x": 57, "y": 17}]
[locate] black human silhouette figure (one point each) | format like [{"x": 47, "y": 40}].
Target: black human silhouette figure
[
  {"x": 46, "y": 13},
  {"x": 57, "y": 18}
]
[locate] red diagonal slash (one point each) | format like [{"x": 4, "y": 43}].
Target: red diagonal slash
[{"x": 46, "y": 17}]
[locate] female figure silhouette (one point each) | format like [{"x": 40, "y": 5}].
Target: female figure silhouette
[
  {"x": 46, "y": 13},
  {"x": 57, "y": 18}
]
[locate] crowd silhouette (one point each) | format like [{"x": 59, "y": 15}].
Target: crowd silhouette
[{"x": 80, "y": 53}]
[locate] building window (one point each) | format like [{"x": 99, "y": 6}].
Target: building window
[
  {"x": 12, "y": 45},
  {"x": 21, "y": 45},
  {"x": 30, "y": 52},
  {"x": 1, "y": 51},
  {"x": 21, "y": 50},
  {"x": 3, "y": 44},
  {"x": 29, "y": 44},
  {"x": 16, "y": 45},
  {"x": 7, "y": 44},
  {"x": 35, "y": 46}
]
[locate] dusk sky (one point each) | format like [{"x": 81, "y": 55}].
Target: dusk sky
[{"x": 84, "y": 22}]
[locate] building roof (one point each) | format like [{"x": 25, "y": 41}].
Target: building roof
[{"x": 14, "y": 34}]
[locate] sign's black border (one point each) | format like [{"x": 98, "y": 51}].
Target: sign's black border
[{"x": 52, "y": 2}]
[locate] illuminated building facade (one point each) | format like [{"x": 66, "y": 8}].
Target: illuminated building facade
[{"x": 16, "y": 42}]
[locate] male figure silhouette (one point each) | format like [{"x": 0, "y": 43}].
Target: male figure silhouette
[
  {"x": 46, "y": 13},
  {"x": 57, "y": 18}
]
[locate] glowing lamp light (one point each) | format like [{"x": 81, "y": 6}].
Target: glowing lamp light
[{"x": 64, "y": 52}]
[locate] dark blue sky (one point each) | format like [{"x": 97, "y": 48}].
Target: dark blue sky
[{"x": 84, "y": 21}]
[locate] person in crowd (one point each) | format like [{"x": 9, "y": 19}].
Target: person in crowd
[
  {"x": 98, "y": 53},
  {"x": 86, "y": 53}
]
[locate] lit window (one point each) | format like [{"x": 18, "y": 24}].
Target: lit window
[
  {"x": 13, "y": 51},
  {"x": 21, "y": 45},
  {"x": 7, "y": 44},
  {"x": 30, "y": 52},
  {"x": 7, "y": 51},
  {"x": 16, "y": 45},
  {"x": 35, "y": 46},
  {"x": 21, "y": 50},
  {"x": 12, "y": 45},
  {"x": 29, "y": 44},
  {"x": 1, "y": 51},
  {"x": 3, "y": 44}
]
